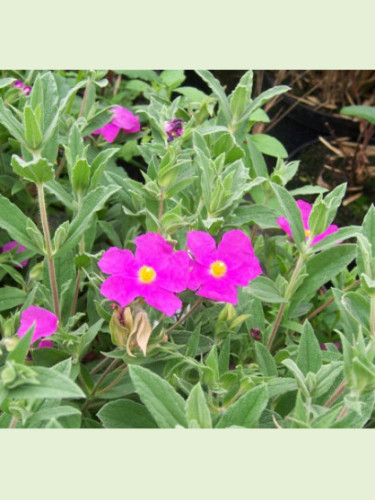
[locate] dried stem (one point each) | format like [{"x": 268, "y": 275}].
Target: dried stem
[
  {"x": 329, "y": 301},
  {"x": 99, "y": 381}
]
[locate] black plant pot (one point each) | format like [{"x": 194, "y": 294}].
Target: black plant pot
[{"x": 303, "y": 123}]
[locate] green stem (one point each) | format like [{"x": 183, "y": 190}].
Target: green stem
[
  {"x": 99, "y": 381},
  {"x": 288, "y": 294},
  {"x": 79, "y": 272},
  {"x": 84, "y": 100},
  {"x": 49, "y": 253}
]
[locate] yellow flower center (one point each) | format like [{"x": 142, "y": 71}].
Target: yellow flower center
[
  {"x": 307, "y": 233},
  {"x": 218, "y": 269},
  {"x": 146, "y": 274}
]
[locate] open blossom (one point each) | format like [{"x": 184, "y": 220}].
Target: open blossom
[
  {"x": 123, "y": 119},
  {"x": 305, "y": 209},
  {"x": 155, "y": 273},
  {"x": 20, "y": 85},
  {"x": 217, "y": 272},
  {"x": 173, "y": 128},
  {"x": 45, "y": 324},
  {"x": 13, "y": 244}
]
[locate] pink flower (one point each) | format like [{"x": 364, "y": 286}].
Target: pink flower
[
  {"x": 305, "y": 209},
  {"x": 20, "y": 85},
  {"x": 218, "y": 271},
  {"x": 45, "y": 323},
  {"x": 155, "y": 273},
  {"x": 122, "y": 119},
  {"x": 173, "y": 128},
  {"x": 12, "y": 244},
  {"x": 336, "y": 344}
]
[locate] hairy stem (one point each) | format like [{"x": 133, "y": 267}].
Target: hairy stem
[
  {"x": 372, "y": 315},
  {"x": 49, "y": 255},
  {"x": 341, "y": 388},
  {"x": 329, "y": 301}
]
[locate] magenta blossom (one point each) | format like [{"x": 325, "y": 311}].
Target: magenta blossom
[
  {"x": 122, "y": 119},
  {"x": 20, "y": 85},
  {"x": 174, "y": 128},
  {"x": 12, "y": 244},
  {"x": 336, "y": 344},
  {"x": 45, "y": 323},
  {"x": 155, "y": 273},
  {"x": 218, "y": 271},
  {"x": 305, "y": 209}
]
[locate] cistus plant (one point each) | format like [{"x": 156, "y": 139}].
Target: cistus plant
[{"x": 157, "y": 273}]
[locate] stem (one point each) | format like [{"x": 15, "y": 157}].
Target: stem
[
  {"x": 79, "y": 272},
  {"x": 60, "y": 167},
  {"x": 49, "y": 255},
  {"x": 341, "y": 388},
  {"x": 181, "y": 320},
  {"x": 100, "y": 365},
  {"x": 344, "y": 411},
  {"x": 99, "y": 381},
  {"x": 288, "y": 294},
  {"x": 329, "y": 301},
  {"x": 115, "y": 381},
  {"x": 84, "y": 100},
  {"x": 13, "y": 423},
  {"x": 161, "y": 202}
]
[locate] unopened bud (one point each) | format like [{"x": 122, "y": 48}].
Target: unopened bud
[{"x": 256, "y": 333}]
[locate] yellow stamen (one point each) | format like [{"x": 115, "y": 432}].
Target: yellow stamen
[
  {"x": 146, "y": 274},
  {"x": 218, "y": 269},
  {"x": 307, "y": 233}
]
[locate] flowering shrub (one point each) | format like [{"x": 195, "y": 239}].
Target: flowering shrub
[{"x": 169, "y": 277}]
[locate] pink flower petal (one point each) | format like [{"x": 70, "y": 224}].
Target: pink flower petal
[
  {"x": 45, "y": 322},
  {"x": 202, "y": 245},
  {"x": 116, "y": 261},
  {"x": 45, "y": 343},
  {"x": 330, "y": 230},
  {"x": 305, "y": 209},
  {"x": 151, "y": 249},
  {"x": 126, "y": 120},
  {"x": 284, "y": 224},
  {"x": 216, "y": 291},
  {"x": 235, "y": 249},
  {"x": 12, "y": 244},
  {"x": 167, "y": 302},
  {"x": 174, "y": 275},
  {"x": 120, "y": 289},
  {"x": 110, "y": 132}
]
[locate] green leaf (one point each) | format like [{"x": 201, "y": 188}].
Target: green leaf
[
  {"x": 5, "y": 82},
  {"x": 125, "y": 414},
  {"x": 267, "y": 365},
  {"x": 173, "y": 78},
  {"x": 11, "y": 297},
  {"x": 91, "y": 203},
  {"x": 258, "y": 167},
  {"x": 18, "y": 354},
  {"x": 218, "y": 90},
  {"x": 163, "y": 402},
  {"x": 363, "y": 112},
  {"x": 260, "y": 101},
  {"x": 246, "y": 411},
  {"x": 342, "y": 234},
  {"x": 292, "y": 214},
  {"x": 11, "y": 123},
  {"x": 51, "y": 413},
  {"x": 14, "y": 221},
  {"x": 224, "y": 356},
  {"x": 264, "y": 289},
  {"x": 309, "y": 358},
  {"x": 99, "y": 164},
  {"x": 56, "y": 188},
  {"x": 38, "y": 171},
  {"x": 81, "y": 175},
  {"x": 51, "y": 384},
  {"x": 197, "y": 411},
  {"x": 33, "y": 134},
  {"x": 269, "y": 145},
  {"x": 193, "y": 94},
  {"x": 321, "y": 268},
  {"x": 368, "y": 228}
]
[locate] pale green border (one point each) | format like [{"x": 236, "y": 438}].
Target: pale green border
[{"x": 230, "y": 464}]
